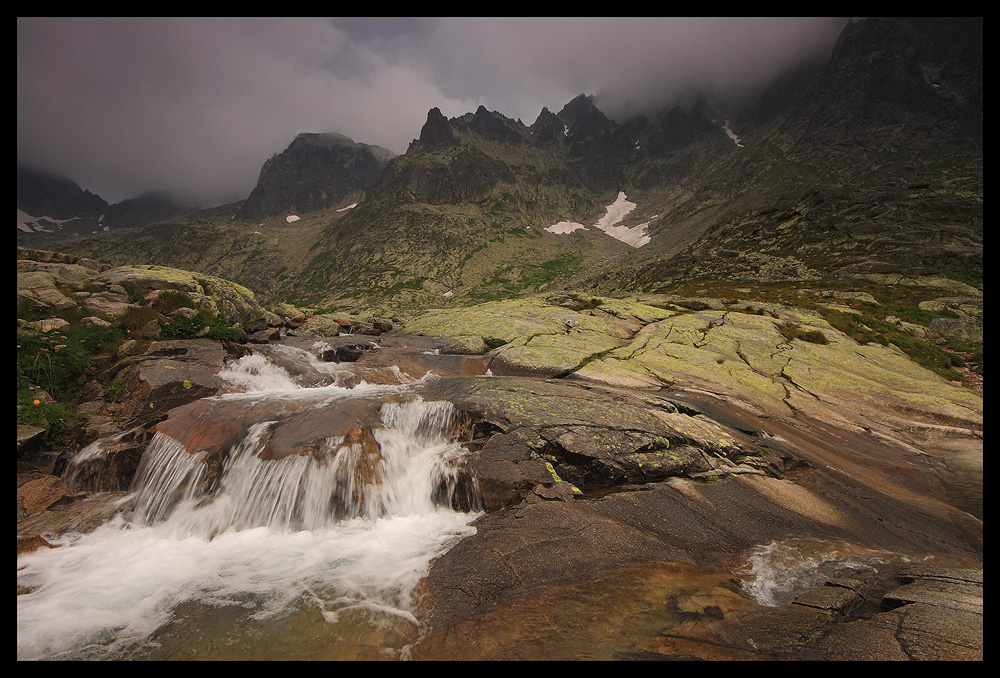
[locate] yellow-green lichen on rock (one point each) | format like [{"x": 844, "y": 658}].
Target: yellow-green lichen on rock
[{"x": 209, "y": 292}]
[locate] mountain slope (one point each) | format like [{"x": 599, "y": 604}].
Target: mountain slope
[{"x": 872, "y": 164}]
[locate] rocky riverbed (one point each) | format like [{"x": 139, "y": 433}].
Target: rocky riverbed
[{"x": 650, "y": 481}]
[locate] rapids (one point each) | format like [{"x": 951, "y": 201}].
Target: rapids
[{"x": 328, "y": 545}]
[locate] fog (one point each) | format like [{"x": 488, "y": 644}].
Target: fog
[{"x": 195, "y": 106}]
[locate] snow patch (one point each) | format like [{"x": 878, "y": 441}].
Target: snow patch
[
  {"x": 107, "y": 228},
  {"x": 449, "y": 294},
  {"x": 291, "y": 218},
  {"x": 32, "y": 224},
  {"x": 565, "y": 227},
  {"x": 635, "y": 236},
  {"x": 351, "y": 206},
  {"x": 731, "y": 134},
  {"x": 565, "y": 130}
]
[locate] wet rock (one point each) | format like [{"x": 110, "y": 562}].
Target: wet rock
[
  {"x": 83, "y": 515},
  {"x": 107, "y": 464},
  {"x": 37, "y": 492},
  {"x": 32, "y": 543},
  {"x": 506, "y": 470},
  {"x": 832, "y": 598},
  {"x": 589, "y": 434}
]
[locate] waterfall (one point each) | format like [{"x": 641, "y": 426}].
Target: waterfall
[
  {"x": 350, "y": 527},
  {"x": 405, "y": 468}
]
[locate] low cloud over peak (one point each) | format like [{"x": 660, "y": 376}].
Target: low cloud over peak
[{"x": 195, "y": 106}]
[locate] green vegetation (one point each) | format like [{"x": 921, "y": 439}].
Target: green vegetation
[
  {"x": 169, "y": 301},
  {"x": 50, "y": 360},
  {"x": 114, "y": 391},
  {"x": 792, "y": 331},
  {"x": 58, "y": 419},
  {"x": 136, "y": 318},
  {"x": 221, "y": 329}
]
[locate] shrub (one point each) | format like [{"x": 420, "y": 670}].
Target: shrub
[
  {"x": 221, "y": 330},
  {"x": 794, "y": 331},
  {"x": 815, "y": 337},
  {"x": 170, "y": 300},
  {"x": 135, "y": 318},
  {"x": 114, "y": 391},
  {"x": 95, "y": 338},
  {"x": 57, "y": 418}
]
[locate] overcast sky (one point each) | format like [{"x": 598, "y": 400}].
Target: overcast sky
[{"x": 195, "y": 106}]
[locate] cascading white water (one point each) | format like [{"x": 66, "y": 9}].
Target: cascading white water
[
  {"x": 416, "y": 459},
  {"x": 352, "y": 528}
]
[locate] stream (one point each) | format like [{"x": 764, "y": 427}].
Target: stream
[{"x": 217, "y": 555}]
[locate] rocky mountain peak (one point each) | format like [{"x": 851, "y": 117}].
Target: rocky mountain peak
[
  {"x": 582, "y": 116},
  {"x": 494, "y": 126},
  {"x": 436, "y": 132},
  {"x": 316, "y": 171},
  {"x": 548, "y": 127}
]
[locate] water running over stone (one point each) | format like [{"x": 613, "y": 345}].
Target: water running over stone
[{"x": 280, "y": 519}]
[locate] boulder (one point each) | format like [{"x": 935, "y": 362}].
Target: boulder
[{"x": 167, "y": 375}]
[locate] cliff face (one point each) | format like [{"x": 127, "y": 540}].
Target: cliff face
[{"x": 315, "y": 172}]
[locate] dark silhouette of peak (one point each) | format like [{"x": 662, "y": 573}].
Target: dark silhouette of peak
[
  {"x": 436, "y": 132},
  {"x": 548, "y": 127},
  {"x": 583, "y": 114},
  {"x": 676, "y": 129},
  {"x": 495, "y": 126},
  {"x": 316, "y": 171},
  {"x": 41, "y": 193}
]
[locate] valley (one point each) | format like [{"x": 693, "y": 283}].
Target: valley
[{"x": 697, "y": 385}]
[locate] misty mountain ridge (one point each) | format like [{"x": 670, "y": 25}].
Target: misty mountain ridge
[
  {"x": 315, "y": 172},
  {"x": 867, "y": 163}
]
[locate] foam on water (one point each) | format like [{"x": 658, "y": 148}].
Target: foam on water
[
  {"x": 266, "y": 535},
  {"x": 778, "y": 571}
]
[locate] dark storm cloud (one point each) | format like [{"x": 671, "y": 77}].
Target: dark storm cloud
[{"x": 196, "y": 105}]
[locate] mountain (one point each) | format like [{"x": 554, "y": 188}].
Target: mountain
[
  {"x": 149, "y": 208},
  {"x": 316, "y": 171},
  {"x": 53, "y": 208},
  {"x": 50, "y": 203},
  {"x": 865, "y": 163},
  {"x": 869, "y": 163},
  {"x": 42, "y": 193}
]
